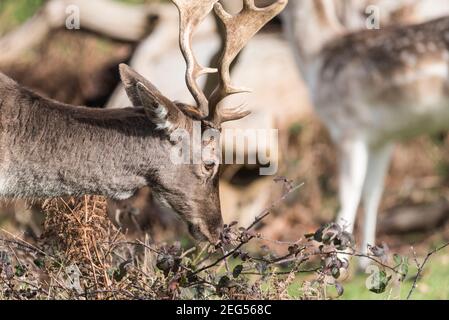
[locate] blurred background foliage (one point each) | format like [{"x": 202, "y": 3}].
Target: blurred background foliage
[{"x": 15, "y": 12}]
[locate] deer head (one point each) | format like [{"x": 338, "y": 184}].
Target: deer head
[{"x": 192, "y": 189}]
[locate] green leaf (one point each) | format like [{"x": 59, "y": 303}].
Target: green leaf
[
  {"x": 39, "y": 263},
  {"x": 378, "y": 282},
  {"x": 224, "y": 282},
  {"x": 237, "y": 271},
  {"x": 403, "y": 268},
  {"x": 184, "y": 281},
  {"x": 336, "y": 272},
  {"x": 20, "y": 270},
  {"x": 402, "y": 265},
  {"x": 397, "y": 259}
]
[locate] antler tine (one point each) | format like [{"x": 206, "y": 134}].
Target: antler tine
[
  {"x": 239, "y": 29},
  {"x": 191, "y": 14}
]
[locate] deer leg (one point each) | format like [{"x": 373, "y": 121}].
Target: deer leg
[
  {"x": 353, "y": 165},
  {"x": 378, "y": 162}
]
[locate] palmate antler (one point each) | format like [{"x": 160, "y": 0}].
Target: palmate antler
[{"x": 239, "y": 29}]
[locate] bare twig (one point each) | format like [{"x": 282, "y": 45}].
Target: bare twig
[{"x": 421, "y": 268}]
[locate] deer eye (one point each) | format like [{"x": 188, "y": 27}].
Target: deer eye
[{"x": 209, "y": 165}]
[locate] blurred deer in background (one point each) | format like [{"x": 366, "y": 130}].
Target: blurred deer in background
[
  {"x": 371, "y": 88},
  {"x": 51, "y": 149}
]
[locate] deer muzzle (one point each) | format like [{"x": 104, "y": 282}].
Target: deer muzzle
[{"x": 202, "y": 231}]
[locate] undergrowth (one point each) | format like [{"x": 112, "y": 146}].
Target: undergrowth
[{"x": 82, "y": 255}]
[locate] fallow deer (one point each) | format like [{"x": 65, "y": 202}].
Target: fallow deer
[
  {"x": 370, "y": 88},
  {"x": 51, "y": 149}
]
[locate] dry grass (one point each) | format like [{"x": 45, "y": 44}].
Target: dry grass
[
  {"x": 81, "y": 255},
  {"x": 79, "y": 233}
]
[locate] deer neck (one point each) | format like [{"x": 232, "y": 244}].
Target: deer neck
[
  {"x": 310, "y": 25},
  {"x": 50, "y": 149}
]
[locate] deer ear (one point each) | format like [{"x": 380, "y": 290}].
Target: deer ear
[{"x": 160, "y": 110}]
